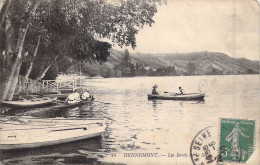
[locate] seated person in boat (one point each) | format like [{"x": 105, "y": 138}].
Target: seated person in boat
[
  {"x": 154, "y": 92},
  {"x": 73, "y": 97},
  {"x": 181, "y": 90},
  {"x": 86, "y": 95}
]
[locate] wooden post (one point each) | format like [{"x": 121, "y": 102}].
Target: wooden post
[{"x": 57, "y": 84}]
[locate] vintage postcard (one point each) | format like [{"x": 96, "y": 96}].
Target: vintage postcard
[{"x": 130, "y": 82}]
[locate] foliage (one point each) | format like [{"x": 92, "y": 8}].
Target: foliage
[
  {"x": 76, "y": 28},
  {"x": 191, "y": 68},
  {"x": 125, "y": 66}
]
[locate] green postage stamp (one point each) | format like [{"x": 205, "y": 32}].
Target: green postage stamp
[{"x": 236, "y": 143}]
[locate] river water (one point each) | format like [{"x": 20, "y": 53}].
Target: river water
[{"x": 138, "y": 125}]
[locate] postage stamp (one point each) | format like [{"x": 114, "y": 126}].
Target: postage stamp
[{"x": 236, "y": 141}]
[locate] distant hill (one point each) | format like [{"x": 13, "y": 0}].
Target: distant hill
[
  {"x": 196, "y": 63},
  {"x": 204, "y": 62}
]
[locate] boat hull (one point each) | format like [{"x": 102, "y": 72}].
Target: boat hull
[
  {"x": 66, "y": 105},
  {"x": 59, "y": 106},
  {"x": 193, "y": 96},
  {"x": 29, "y": 103},
  {"x": 38, "y": 133},
  {"x": 49, "y": 143}
]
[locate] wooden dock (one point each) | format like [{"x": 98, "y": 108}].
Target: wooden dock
[{"x": 45, "y": 87}]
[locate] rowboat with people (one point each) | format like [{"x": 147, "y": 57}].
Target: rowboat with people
[
  {"x": 177, "y": 96},
  {"x": 28, "y": 132},
  {"x": 65, "y": 105}
]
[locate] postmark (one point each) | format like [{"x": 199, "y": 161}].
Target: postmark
[
  {"x": 236, "y": 141},
  {"x": 204, "y": 149}
]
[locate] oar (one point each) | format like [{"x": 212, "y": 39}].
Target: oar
[{"x": 171, "y": 93}]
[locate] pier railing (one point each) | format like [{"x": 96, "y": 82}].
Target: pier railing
[
  {"x": 45, "y": 86},
  {"x": 56, "y": 86}
]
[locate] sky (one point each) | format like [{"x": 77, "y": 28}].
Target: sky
[{"x": 228, "y": 26}]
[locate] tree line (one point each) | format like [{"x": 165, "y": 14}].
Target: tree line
[
  {"x": 131, "y": 69},
  {"x": 129, "y": 66},
  {"x": 39, "y": 35}
]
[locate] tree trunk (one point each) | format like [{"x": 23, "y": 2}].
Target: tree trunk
[
  {"x": 13, "y": 78},
  {"x": 34, "y": 55},
  {"x": 14, "y": 83},
  {"x": 20, "y": 85},
  {"x": 11, "y": 66},
  {"x": 4, "y": 11},
  {"x": 14, "y": 68},
  {"x": 8, "y": 43},
  {"x": 41, "y": 76},
  {"x": 6, "y": 60}
]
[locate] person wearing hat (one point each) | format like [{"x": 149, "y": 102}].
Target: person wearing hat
[
  {"x": 86, "y": 95},
  {"x": 73, "y": 97},
  {"x": 154, "y": 92},
  {"x": 181, "y": 90}
]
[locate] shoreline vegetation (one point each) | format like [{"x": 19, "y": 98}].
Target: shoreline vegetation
[
  {"x": 41, "y": 38},
  {"x": 124, "y": 64}
]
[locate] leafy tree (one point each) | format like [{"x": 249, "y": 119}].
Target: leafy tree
[
  {"x": 250, "y": 71},
  {"x": 191, "y": 68},
  {"x": 126, "y": 59},
  {"x": 171, "y": 71},
  {"x": 125, "y": 66},
  {"x": 132, "y": 69},
  {"x": 65, "y": 27}
]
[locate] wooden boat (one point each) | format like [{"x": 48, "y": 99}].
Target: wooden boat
[
  {"x": 61, "y": 96},
  {"x": 30, "y": 103},
  {"x": 63, "y": 105},
  {"x": 60, "y": 105},
  {"x": 28, "y": 132},
  {"x": 175, "y": 96}
]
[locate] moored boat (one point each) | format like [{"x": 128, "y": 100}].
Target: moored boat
[
  {"x": 60, "y": 105},
  {"x": 28, "y": 132},
  {"x": 59, "y": 96},
  {"x": 64, "y": 105},
  {"x": 30, "y": 103},
  {"x": 175, "y": 96}
]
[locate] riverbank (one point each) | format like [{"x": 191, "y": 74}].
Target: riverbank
[{"x": 137, "y": 125}]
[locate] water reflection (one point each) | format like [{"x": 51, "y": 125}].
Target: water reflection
[
  {"x": 154, "y": 103},
  {"x": 137, "y": 124},
  {"x": 181, "y": 103},
  {"x": 68, "y": 152}
]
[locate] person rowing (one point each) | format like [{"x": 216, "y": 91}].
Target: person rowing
[
  {"x": 73, "y": 97},
  {"x": 154, "y": 92},
  {"x": 86, "y": 95},
  {"x": 181, "y": 90}
]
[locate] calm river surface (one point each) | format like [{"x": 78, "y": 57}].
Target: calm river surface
[{"x": 138, "y": 125}]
